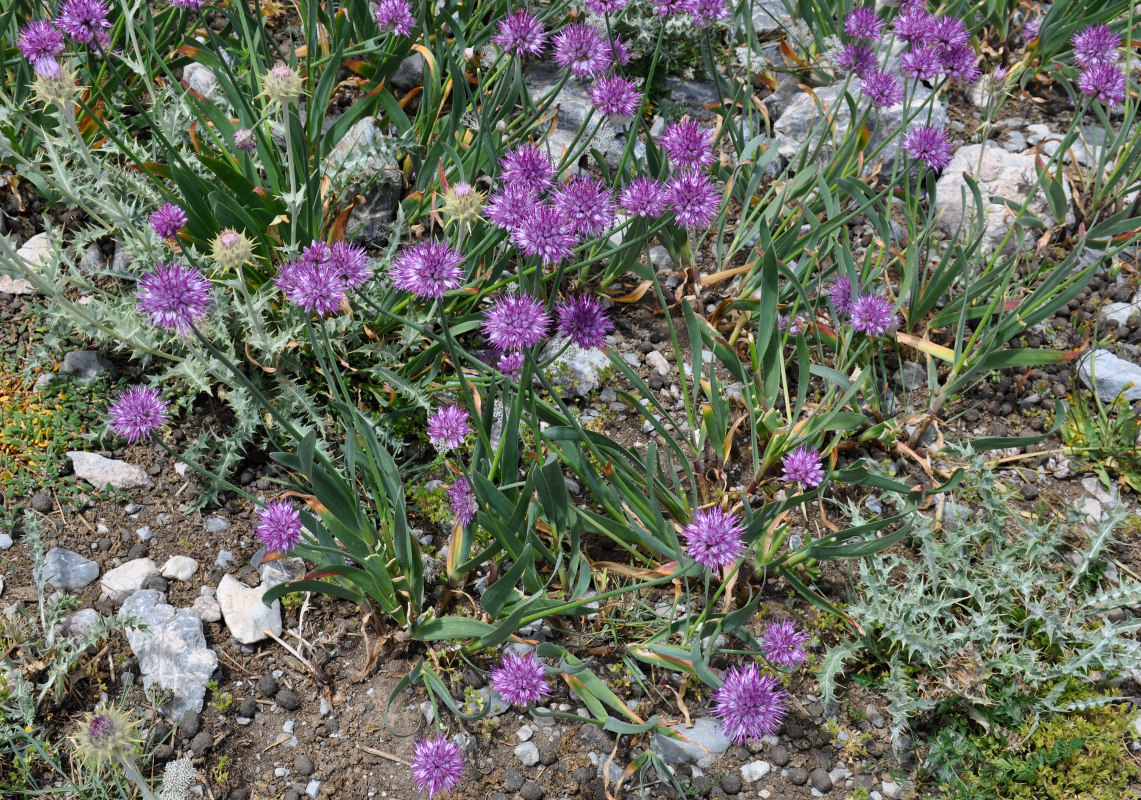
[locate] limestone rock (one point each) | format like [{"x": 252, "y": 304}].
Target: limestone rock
[
  {"x": 66, "y": 569},
  {"x": 247, "y": 617},
  {"x": 179, "y": 568},
  {"x": 1112, "y": 374},
  {"x": 123, "y": 581},
  {"x": 100, "y": 471}
]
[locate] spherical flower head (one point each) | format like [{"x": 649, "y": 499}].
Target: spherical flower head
[
  {"x": 462, "y": 204},
  {"x": 41, "y": 45},
  {"x": 437, "y": 765},
  {"x": 948, "y": 33},
  {"x": 463, "y": 502},
  {"x": 840, "y": 294},
  {"x": 231, "y": 249},
  {"x": 1030, "y": 29},
  {"x": 999, "y": 75},
  {"x": 527, "y": 166},
  {"x": 395, "y": 16},
  {"x": 584, "y": 321},
  {"x": 167, "y": 220},
  {"x": 804, "y": 466},
  {"x": 619, "y": 52},
  {"x": 136, "y": 412},
  {"x": 582, "y": 48},
  {"x": 709, "y": 12},
  {"x": 245, "y": 140},
  {"x": 515, "y": 322},
  {"x": 587, "y": 205},
  {"x": 694, "y": 198},
  {"x": 83, "y": 20},
  {"x": 872, "y": 314},
  {"x": 351, "y": 263},
  {"x": 510, "y": 364},
  {"x": 314, "y": 285},
  {"x": 616, "y": 97},
  {"x": 793, "y": 326},
  {"x": 713, "y": 538},
  {"x": 175, "y": 296},
  {"x": 427, "y": 269},
  {"x": 510, "y": 206},
  {"x": 921, "y": 63},
  {"x": 859, "y": 59},
  {"x": 545, "y": 232},
  {"x": 915, "y": 26},
  {"x": 1096, "y": 44},
  {"x": 863, "y": 23},
  {"x": 56, "y": 87},
  {"x": 884, "y": 89},
  {"x": 672, "y": 8},
  {"x": 279, "y": 526},
  {"x": 603, "y": 7},
  {"x": 644, "y": 197},
  {"x": 447, "y": 427},
  {"x": 521, "y": 34},
  {"x": 750, "y": 705},
  {"x": 687, "y": 144},
  {"x": 783, "y": 644},
  {"x": 520, "y": 680},
  {"x": 1105, "y": 82},
  {"x": 928, "y": 144},
  {"x": 107, "y": 734},
  {"x": 961, "y": 64},
  {"x": 281, "y": 84}
]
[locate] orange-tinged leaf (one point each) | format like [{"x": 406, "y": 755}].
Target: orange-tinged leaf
[
  {"x": 636, "y": 295},
  {"x": 925, "y": 346}
]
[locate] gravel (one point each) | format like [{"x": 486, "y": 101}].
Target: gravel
[{"x": 287, "y": 700}]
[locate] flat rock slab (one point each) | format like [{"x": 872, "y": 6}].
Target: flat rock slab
[
  {"x": 100, "y": 471},
  {"x": 1113, "y": 375},
  {"x": 123, "y": 581},
  {"x": 706, "y": 742},
  {"x": 84, "y": 365},
  {"x": 247, "y": 617},
  {"x": 66, "y": 569}
]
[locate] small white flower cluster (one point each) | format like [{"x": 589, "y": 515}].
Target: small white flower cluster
[{"x": 176, "y": 779}]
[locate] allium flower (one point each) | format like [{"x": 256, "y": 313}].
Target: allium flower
[
  {"x": 520, "y": 680},
  {"x": 619, "y": 52},
  {"x": 437, "y": 765},
  {"x": 928, "y": 144},
  {"x": 1106, "y": 82},
  {"x": 427, "y": 269},
  {"x": 644, "y": 197},
  {"x": 1096, "y": 44},
  {"x": 616, "y": 97},
  {"x": 695, "y": 199},
  {"x": 587, "y": 205},
  {"x": 106, "y": 735},
  {"x": 528, "y": 166},
  {"x": 1030, "y": 29},
  {"x": 859, "y": 59},
  {"x": 948, "y": 33},
  {"x": 83, "y": 20},
  {"x": 915, "y": 27},
  {"x": 193, "y": 5},
  {"x": 582, "y": 48},
  {"x": 713, "y": 538},
  {"x": 463, "y": 502},
  {"x": 671, "y": 8},
  {"x": 793, "y": 326},
  {"x": 863, "y": 23},
  {"x": 510, "y": 206},
  {"x": 510, "y": 363},
  {"x": 245, "y": 140},
  {"x": 804, "y": 466},
  {"x": 545, "y": 233},
  {"x": 922, "y": 63},
  {"x": 312, "y": 284},
  {"x": 462, "y": 204},
  {"x": 281, "y": 84},
  {"x": 750, "y": 705},
  {"x": 395, "y": 16},
  {"x": 872, "y": 314},
  {"x": 961, "y": 64},
  {"x": 175, "y": 296},
  {"x": 279, "y": 526},
  {"x": 521, "y": 33},
  {"x": 708, "y": 12},
  {"x": 603, "y": 7},
  {"x": 516, "y": 321},
  {"x": 351, "y": 263},
  {"x": 136, "y": 412},
  {"x": 687, "y": 144},
  {"x": 584, "y": 321},
  {"x": 230, "y": 249},
  {"x": 884, "y": 89},
  {"x": 841, "y": 296},
  {"x": 41, "y": 45},
  {"x": 167, "y": 220},
  {"x": 448, "y": 426},
  {"x": 783, "y": 644}
]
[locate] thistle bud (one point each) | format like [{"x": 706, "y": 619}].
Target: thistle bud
[{"x": 230, "y": 249}]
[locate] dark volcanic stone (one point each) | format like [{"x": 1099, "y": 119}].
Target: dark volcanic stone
[
  {"x": 731, "y": 784},
  {"x": 512, "y": 780},
  {"x": 821, "y": 780},
  {"x": 303, "y": 765},
  {"x": 190, "y": 725},
  {"x": 582, "y": 775},
  {"x": 267, "y": 685},
  {"x": 531, "y": 791},
  {"x": 798, "y": 776},
  {"x": 779, "y": 756},
  {"x": 248, "y": 708},
  {"x": 201, "y": 743},
  {"x": 287, "y": 700}
]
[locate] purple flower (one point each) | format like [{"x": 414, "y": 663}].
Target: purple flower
[
  {"x": 914, "y": 26},
  {"x": 928, "y": 144},
  {"x": 587, "y": 205},
  {"x": 521, "y": 33},
  {"x": 174, "y": 295},
  {"x": 1096, "y": 44},
  {"x": 961, "y": 64},
  {"x": 545, "y": 233},
  {"x": 667, "y": 8},
  {"x": 750, "y": 705},
  {"x": 922, "y": 63},
  {"x": 948, "y": 33},
  {"x": 1106, "y": 82},
  {"x": 510, "y": 207},
  {"x": 527, "y": 166},
  {"x": 515, "y": 322},
  {"x": 841, "y": 296},
  {"x": 463, "y": 502},
  {"x": 602, "y": 7},
  {"x": 583, "y": 320},
  {"x": 783, "y": 644},
  {"x": 351, "y": 264},
  {"x": 858, "y": 59},
  {"x": 713, "y": 538},
  {"x": 41, "y": 45},
  {"x": 395, "y": 16},
  {"x": 510, "y": 363},
  {"x": 884, "y": 89},
  {"x": 83, "y": 20},
  {"x": 448, "y": 426},
  {"x": 279, "y": 526},
  {"x": 311, "y": 283},
  {"x": 167, "y": 220},
  {"x": 437, "y": 765},
  {"x": 707, "y": 12},
  {"x": 245, "y": 140},
  {"x": 804, "y": 466},
  {"x": 863, "y": 23},
  {"x": 1030, "y": 29},
  {"x": 520, "y": 680},
  {"x": 616, "y": 97},
  {"x": 644, "y": 197},
  {"x": 695, "y": 199},
  {"x": 193, "y": 5},
  {"x": 136, "y": 412},
  {"x": 793, "y": 326},
  {"x": 582, "y": 48},
  {"x": 872, "y": 314},
  {"x": 619, "y": 51},
  {"x": 687, "y": 144},
  {"x": 427, "y": 269}
]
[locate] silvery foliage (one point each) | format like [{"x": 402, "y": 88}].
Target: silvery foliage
[{"x": 177, "y": 778}]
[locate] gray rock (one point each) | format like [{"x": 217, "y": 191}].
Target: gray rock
[
  {"x": 695, "y": 96},
  {"x": 1121, "y": 312},
  {"x": 498, "y": 704},
  {"x": 755, "y": 770},
  {"x": 912, "y": 376},
  {"x": 527, "y": 753},
  {"x": 100, "y": 471},
  {"x": 657, "y": 362},
  {"x": 179, "y": 568},
  {"x": 798, "y": 776},
  {"x": 247, "y": 617},
  {"x": 769, "y": 16},
  {"x": 705, "y": 743},
  {"x": 172, "y": 651},
  {"x": 123, "y": 581},
  {"x": 304, "y": 765},
  {"x": 200, "y": 78},
  {"x": 206, "y": 607},
  {"x": 821, "y": 780},
  {"x": 216, "y": 525},
  {"x": 364, "y": 159},
  {"x": 892, "y": 790},
  {"x": 78, "y": 622},
  {"x": 313, "y": 788},
  {"x": 66, "y": 569},
  {"x": 280, "y": 571},
  {"x": 1112, "y": 375},
  {"x": 37, "y": 251},
  {"x": 144, "y": 533},
  {"x": 410, "y": 73},
  {"x": 573, "y": 100},
  {"x": 576, "y": 371},
  {"x": 660, "y": 258},
  {"x": 84, "y": 365},
  {"x": 5, "y": 541}
]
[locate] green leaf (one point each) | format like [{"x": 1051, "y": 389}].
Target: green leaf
[{"x": 833, "y": 664}]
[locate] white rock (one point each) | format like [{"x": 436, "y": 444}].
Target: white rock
[
  {"x": 525, "y": 733},
  {"x": 206, "y": 607},
  {"x": 1114, "y": 312},
  {"x": 660, "y": 258},
  {"x": 892, "y": 790},
  {"x": 1113, "y": 375},
  {"x": 578, "y": 371},
  {"x": 528, "y": 753},
  {"x": 657, "y": 362},
  {"x": 1091, "y": 508},
  {"x": 247, "y": 617},
  {"x": 200, "y": 78},
  {"x": 179, "y": 568},
  {"x": 755, "y": 770},
  {"x": 36, "y": 251},
  {"x": 84, "y": 365},
  {"x": 122, "y": 582},
  {"x": 10, "y": 285},
  {"x": 100, "y": 471}
]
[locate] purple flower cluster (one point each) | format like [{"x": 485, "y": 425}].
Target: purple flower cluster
[
  {"x": 687, "y": 144},
  {"x": 42, "y": 45},
  {"x": 937, "y": 45},
  {"x": 521, "y": 34},
  {"x": 437, "y": 765},
  {"x": 520, "y": 680},
  {"x": 516, "y": 322},
  {"x": 928, "y": 144},
  {"x": 395, "y": 16},
  {"x": 279, "y": 526},
  {"x": 463, "y": 502},
  {"x": 713, "y": 538},
  {"x": 750, "y": 705},
  {"x": 584, "y": 49},
  {"x": 803, "y": 465},
  {"x": 783, "y": 644},
  {"x": 136, "y": 412},
  {"x": 616, "y": 97},
  {"x": 175, "y": 296},
  {"x": 427, "y": 269},
  {"x": 1096, "y": 52},
  {"x": 448, "y": 426},
  {"x": 872, "y": 314},
  {"x": 167, "y": 220},
  {"x": 85, "y": 21},
  {"x": 583, "y": 320},
  {"x": 320, "y": 278}
]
